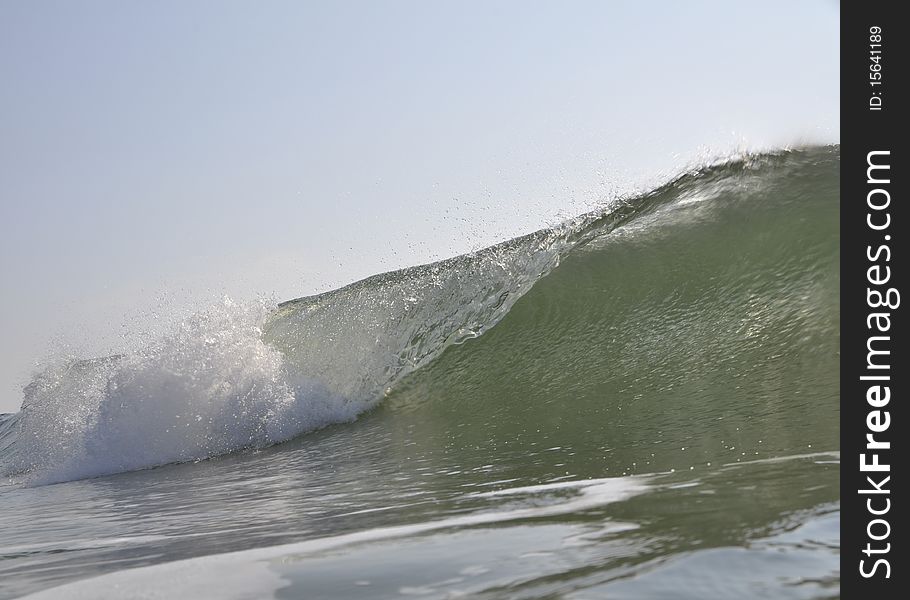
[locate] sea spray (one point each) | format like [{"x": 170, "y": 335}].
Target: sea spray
[{"x": 211, "y": 386}]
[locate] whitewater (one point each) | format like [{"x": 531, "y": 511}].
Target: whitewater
[{"x": 623, "y": 397}]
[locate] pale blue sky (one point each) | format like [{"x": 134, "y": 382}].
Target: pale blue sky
[{"x": 154, "y": 155}]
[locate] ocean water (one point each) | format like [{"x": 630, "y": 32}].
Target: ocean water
[{"x": 638, "y": 403}]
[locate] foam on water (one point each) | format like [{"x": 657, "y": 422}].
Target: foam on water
[{"x": 210, "y": 387}]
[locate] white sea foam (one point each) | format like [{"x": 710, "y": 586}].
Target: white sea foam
[{"x": 211, "y": 386}]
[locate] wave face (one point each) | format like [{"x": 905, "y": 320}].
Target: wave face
[{"x": 715, "y": 267}]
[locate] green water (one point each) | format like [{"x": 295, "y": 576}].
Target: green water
[
  {"x": 703, "y": 343},
  {"x": 651, "y": 411}
]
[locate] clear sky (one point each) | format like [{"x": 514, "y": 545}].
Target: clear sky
[{"x": 155, "y": 155}]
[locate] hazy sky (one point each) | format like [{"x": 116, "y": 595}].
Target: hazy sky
[{"x": 154, "y": 155}]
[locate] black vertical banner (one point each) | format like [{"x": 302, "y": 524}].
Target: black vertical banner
[{"x": 874, "y": 367}]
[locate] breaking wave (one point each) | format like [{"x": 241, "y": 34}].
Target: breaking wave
[{"x": 247, "y": 375}]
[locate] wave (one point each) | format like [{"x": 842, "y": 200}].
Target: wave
[{"x": 249, "y": 375}]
